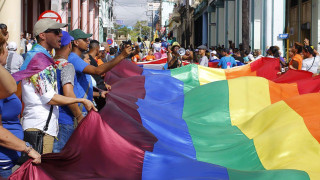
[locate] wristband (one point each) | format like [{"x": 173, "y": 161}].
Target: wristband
[
  {"x": 99, "y": 93},
  {"x": 28, "y": 148}
]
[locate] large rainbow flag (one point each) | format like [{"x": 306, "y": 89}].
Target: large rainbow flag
[{"x": 179, "y": 124}]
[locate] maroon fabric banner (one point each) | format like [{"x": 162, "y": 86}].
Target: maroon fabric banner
[
  {"x": 124, "y": 69},
  {"x": 109, "y": 145},
  {"x": 94, "y": 151}
]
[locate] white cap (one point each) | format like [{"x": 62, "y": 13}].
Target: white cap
[
  {"x": 44, "y": 24},
  {"x": 250, "y": 56},
  {"x": 101, "y": 48},
  {"x": 213, "y": 52},
  {"x": 12, "y": 46}
]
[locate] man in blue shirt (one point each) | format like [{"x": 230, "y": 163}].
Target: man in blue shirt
[
  {"x": 82, "y": 83},
  {"x": 83, "y": 80},
  {"x": 164, "y": 43},
  {"x": 65, "y": 81},
  {"x": 227, "y": 61}
]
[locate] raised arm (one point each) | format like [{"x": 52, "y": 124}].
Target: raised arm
[{"x": 100, "y": 70}]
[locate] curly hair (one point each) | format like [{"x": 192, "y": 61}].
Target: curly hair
[{"x": 2, "y": 42}]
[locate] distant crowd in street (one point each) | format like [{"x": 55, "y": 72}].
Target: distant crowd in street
[{"x": 302, "y": 56}]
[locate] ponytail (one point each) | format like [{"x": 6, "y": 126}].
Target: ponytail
[{"x": 275, "y": 51}]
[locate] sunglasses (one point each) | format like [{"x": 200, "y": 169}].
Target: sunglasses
[
  {"x": 85, "y": 39},
  {"x": 55, "y": 31}
]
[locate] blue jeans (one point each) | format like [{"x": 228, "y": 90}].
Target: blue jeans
[
  {"x": 65, "y": 131},
  {"x": 5, "y": 173}
]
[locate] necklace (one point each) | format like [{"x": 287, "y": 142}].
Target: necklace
[{"x": 59, "y": 57}]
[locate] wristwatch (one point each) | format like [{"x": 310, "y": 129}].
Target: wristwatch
[
  {"x": 99, "y": 93},
  {"x": 28, "y": 148}
]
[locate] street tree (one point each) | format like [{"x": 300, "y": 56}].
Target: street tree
[
  {"x": 122, "y": 30},
  {"x": 140, "y": 29}
]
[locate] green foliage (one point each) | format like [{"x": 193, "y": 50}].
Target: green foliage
[
  {"x": 145, "y": 29},
  {"x": 135, "y": 31},
  {"x": 121, "y": 30}
]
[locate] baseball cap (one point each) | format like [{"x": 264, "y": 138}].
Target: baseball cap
[
  {"x": 79, "y": 34},
  {"x": 213, "y": 52},
  {"x": 202, "y": 47},
  {"x": 66, "y": 38},
  {"x": 12, "y": 46},
  {"x": 44, "y": 24}
]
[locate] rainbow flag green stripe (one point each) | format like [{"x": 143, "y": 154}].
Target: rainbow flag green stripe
[
  {"x": 187, "y": 74},
  {"x": 215, "y": 139},
  {"x": 267, "y": 175}
]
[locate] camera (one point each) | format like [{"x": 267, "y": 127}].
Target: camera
[{"x": 125, "y": 43}]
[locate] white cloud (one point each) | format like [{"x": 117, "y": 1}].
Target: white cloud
[{"x": 130, "y": 11}]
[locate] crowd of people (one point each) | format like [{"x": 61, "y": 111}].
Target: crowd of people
[
  {"x": 61, "y": 80},
  {"x": 302, "y": 56},
  {"x": 61, "y": 77}
]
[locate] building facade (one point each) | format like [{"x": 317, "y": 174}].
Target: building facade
[
  {"x": 181, "y": 22},
  {"x": 92, "y": 16},
  {"x": 219, "y": 22},
  {"x": 106, "y": 20}
]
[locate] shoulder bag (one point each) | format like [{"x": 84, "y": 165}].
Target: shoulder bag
[{"x": 35, "y": 138}]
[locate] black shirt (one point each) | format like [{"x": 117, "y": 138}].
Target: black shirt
[
  {"x": 239, "y": 59},
  {"x": 99, "y": 80},
  {"x": 177, "y": 62}
]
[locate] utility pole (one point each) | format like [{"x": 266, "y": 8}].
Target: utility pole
[
  {"x": 152, "y": 26},
  {"x": 245, "y": 25},
  {"x": 188, "y": 25},
  {"x": 160, "y": 16}
]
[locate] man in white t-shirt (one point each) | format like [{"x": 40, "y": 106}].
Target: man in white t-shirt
[
  {"x": 14, "y": 60},
  {"x": 23, "y": 43},
  {"x": 39, "y": 84},
  {"x": 250, "y": 57},
  {"x": 213, "y": 55},
  {"x": 156, "y": 46},
  {"x": 203, "y": 61}
]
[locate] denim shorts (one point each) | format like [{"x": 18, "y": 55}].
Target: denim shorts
[
  {"x": 5, "y": 173},
  {"x": 65, "y": 131}
]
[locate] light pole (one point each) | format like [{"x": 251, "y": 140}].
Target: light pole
[{"x": 152, "y": 26}]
